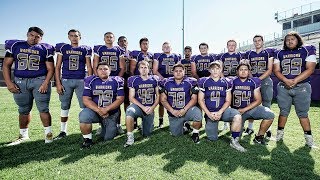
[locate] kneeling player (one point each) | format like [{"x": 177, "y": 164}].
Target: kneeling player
[
  {"x": 144, "y": 96},
  {"x": 246, "y": 97},
  {"x": 215, "y": 98},
  {"x": 102, "y": 96},
  {"x": 179, "y": 96}
]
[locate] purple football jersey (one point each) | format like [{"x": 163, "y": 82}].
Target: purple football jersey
[
  {"x": 202, "y": 64},
  {"x": 145, "y": 89},
  {"x": 166, "y": 63},
  {"x": 104, "y": 93},
  {"x": 230, "y": 63},
  {"x": 293, "y": 63},
  {"x": 178, "y": 95},
  {"x": 126, "y": 54},
  {"x": 259, "y": 61},
  {"x": 73, "y": 60},
  {"x": 243, "y": 92},
  {"x": 29, "y": 61},
  {"x": 111, "y": 56},
  {"x": 215, "y": 92},
  {"x": 187, "y": 65},
  {"x": 140, "y": 56}
]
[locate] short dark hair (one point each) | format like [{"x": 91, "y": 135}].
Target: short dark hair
[
  {"x": 108, "y": 33},
  {"x": 257, "y": 35},
  {"x": 103, "y": 63},
  {"x": 178, "y": 65},
  {"x": 244, "y": 64},
  {"x": 143, "y": 39},
  {"x": 295, "y": 34},
  {"x": 74, "y": 30},
  {"x": 203, "y": 44},
  {"x": 122, "y": 37},
  {"x": 36, "y": 29},
  {"x": 188, "y": 47}
]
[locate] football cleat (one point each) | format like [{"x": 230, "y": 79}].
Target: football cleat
[
  {"x": 129, "y": 142},
  {"x": 19, "y": 140},
  {"x": 87, "y": 143},
  {"x": 310, "y": 142},
  {"x": 48, "y": 138},
  {"x": 60, "y": 136},
  {"x": 259, "y": 140},
  {"x": 195, "y": 138},
  {"x": 248, "y": 132},
  {"x": 234, "y": 143}
]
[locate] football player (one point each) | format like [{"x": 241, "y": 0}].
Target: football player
[
  {"x": 246, "y": 98},
  {"x": 261, "y": 61},
  {"x": 179, "y": 97},
  {"x": 215, "y": 98},
  {"x": 142, "y": 55},
  {"x": 200, "y": 63},
  {"x": 187, "y": 60},
  {"x": 162, "y": 66},
  {"x": 70, "y": 71},
  {"x": 144, "y": 96},
  {"x": 102, "y": 96},
  {"x": 114, "y": 57},
  {"x": 33, "y": 70},
  {"x": 293, "y": 66}
]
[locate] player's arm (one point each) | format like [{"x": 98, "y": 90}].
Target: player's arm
[
  {"x": 50, "y": 68},
  {"x": 269, "y": 69},
  {"x": 310, "y": 66},
  {"x": 122, "y": 64},
  {"x": 57, "y": 74},
  {"x": 194, "y": 70},
  {"x": 89, "y": 103},
  {"x": 165, "y": 103},
  {"x": 202, "y": 104},
  {"x": 89, "y": 66},
  {"x": 6, "y": 70},
  {"x": 157, "y": 99},
  {"x": 133, "y": 100},
  {"x": 133, "y": 64},
  {"x": 227, "y": 102},
  {"x": 257, "y": 101},
  {"x": 95, "y": 64},
  {"x": 155, "y": 69}
]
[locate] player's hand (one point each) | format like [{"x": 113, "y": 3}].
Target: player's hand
[
  {"x": 289, "y": 83},
  {"x": 104, "y": 110},
  {"x": 13, "y": 88},
  {"x": 182, "y": 112},
  {"x": 60, "y": 89},
  {"x": 241, "y": 110},
  {"x": 43, "y": 88},
  {"x": 217, "y": 115},
  {"x": 149, "y": 110},
  {"x": 211, "y": 116},
  {"x": 175, "y": 113}
]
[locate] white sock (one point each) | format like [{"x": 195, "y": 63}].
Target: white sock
[
  {"x": 88, "y": 136},
  {"x": 250, "y": 125},
  {"x": 24, "y": 132},
  {"x": 195, "y": 131},
  {"x": 63, "y": 127},
  {"x": 129, "y": 134},
  {"x": 47, "y": 130}
]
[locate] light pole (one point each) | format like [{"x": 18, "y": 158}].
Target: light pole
[{"x": 182, "y": 28}]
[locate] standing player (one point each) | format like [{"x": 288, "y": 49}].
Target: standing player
[
  {"x": 73, "y": 58},
  {"x": 230, "y": 62},
  {"x": 215, "y": 98},
  {"x": 162, "y": 67},
  {"x": 102, "y": 96},
  {"x": 261, "y": 61},
  {"x": 187, "y": 60},
  {"x": 179, "y": 97},
  {"x": 115, "y": 59},
  {"x": 144, "y": 96},
  {"x": 33, "y": 69},
  {"x": 142, "y": 55},
  {"x": 293, "y": 66},
  {"x": 246, "y": 98},
  {"x": 200, "y": 63}
]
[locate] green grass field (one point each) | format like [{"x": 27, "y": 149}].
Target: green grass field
[{"x": 158, "y": 157}]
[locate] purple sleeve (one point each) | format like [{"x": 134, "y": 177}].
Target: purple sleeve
[
  {"x": 201, "y": 83},
  {"x": 87, "y": 86},
  {"x": 134, "y": 54},
  {"x": 218, "y": 56},
  {"x": 58, "y": 48},
  {"x": 9, "y": 44},
  {"x": 156, "y": 56},
  {"x": 311, "y": 50},
  {"x": 193, "y": 58},
  {"x": 271, "y": 52},
  {"x": 257, "y": 82},
  {"x": 242, "y": 55},
  {"x": 193, "y": 81},
  {"x": 89, "y": 51},
  {"x": 120, "y": 90},
  {"x": 50, "y": 49},
  {"x": 130, "y": 81},
  {"x": 157, "y": 79},
  {"x": 229, "y": 84},
  {"x": 95, "y": 49}
]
